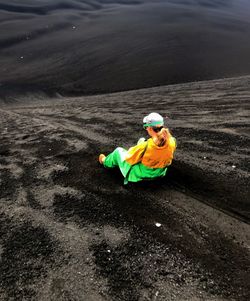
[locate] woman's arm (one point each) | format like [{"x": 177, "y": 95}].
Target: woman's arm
[{"x": 135, "y": 153}]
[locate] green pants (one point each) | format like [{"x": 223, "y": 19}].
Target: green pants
[
  {"x": 132, "y": 173},
  {"x": 117, "y": 159}
]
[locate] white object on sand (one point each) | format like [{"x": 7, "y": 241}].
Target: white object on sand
[{"x": 158, "y": 225}]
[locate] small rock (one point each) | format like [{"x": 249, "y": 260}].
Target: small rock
[
  {"x": 233, "y": 166},
  {"x": 158, "y": 225}
]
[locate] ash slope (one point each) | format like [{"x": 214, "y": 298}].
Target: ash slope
[
  {"x": 70, "y": 230},
  {"x": 82, "y": 47}
]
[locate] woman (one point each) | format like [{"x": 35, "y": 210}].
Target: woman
[{"x": 148, "y": 159}]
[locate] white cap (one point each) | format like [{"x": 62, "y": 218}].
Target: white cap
[{"x": 153, "y": 119}]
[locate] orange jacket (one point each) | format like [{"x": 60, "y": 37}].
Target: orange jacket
[{"x": 151, "y": 155}]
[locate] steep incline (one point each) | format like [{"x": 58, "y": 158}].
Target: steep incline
[{"x": 70, "y": 230}]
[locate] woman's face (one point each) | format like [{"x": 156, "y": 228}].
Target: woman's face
[{"x": 152, "y": 131}]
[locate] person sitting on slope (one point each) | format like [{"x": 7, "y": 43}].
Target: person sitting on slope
[{"x": 148, "y": 159}]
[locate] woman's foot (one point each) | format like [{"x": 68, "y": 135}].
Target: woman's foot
[{"x": 102, "y": 157}]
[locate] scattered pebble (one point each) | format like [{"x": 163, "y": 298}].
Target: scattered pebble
[
  {"x": 233, "y": 166},
  {"x": 21, "y": 57},
  {"x": 158, "y": 225},
  {"x": 73, "y": 27},
  {"x": 109, "y": 251},
  {"x": 205, "y": 157}
]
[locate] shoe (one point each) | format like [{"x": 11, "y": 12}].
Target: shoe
[{"x": 102, "y": 157}]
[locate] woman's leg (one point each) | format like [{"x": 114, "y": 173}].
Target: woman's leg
[{"x": 117, "y": 159}]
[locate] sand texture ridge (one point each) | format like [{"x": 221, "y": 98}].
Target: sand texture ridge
[{"x": 70, "y": 230}]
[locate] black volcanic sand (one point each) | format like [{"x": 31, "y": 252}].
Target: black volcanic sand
[
  {"x": 81, "y": 46},
  {"x": 70, "y": 230}
]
